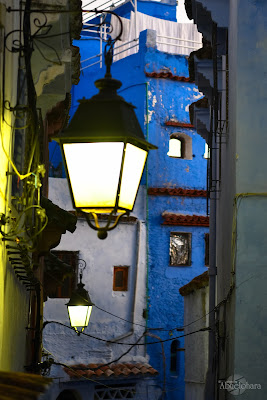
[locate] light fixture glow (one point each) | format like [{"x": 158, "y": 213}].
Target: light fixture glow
[
  {"x": 134, "y": 162},
  {"x": 79, "y": 308},
  {"x": 79, "y": 316},
  {"x": 101, "y": 164}
]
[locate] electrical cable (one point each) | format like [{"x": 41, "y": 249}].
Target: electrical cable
[
  {"x": 127, "y": 344},
  {"x": 21, "y": 176},
  {"x": 144, "y": 326}
]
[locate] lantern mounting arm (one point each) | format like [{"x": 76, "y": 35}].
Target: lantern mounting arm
[
  {"x": 102, "y": 230},
  {"x": 14, "y": 43}
]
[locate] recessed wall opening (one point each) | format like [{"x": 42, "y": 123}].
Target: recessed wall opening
[
  {"x": 180, "y": 146},
  {"x": 174, "y": 361},
  {"x": 207, "y": 151}
]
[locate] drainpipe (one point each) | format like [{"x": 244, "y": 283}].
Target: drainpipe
[
  {"x": 211, "y": 374},
  {"x": 131, "y": 331},
  {"x": 210, "y": 381}
]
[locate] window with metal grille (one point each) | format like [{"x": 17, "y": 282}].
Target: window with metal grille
[
  {"x": 115, "y": 392},
  {"x": 180, "y": 249},
  {"x": 69, "y": 283},
  {"x": 120, "y": 278}
]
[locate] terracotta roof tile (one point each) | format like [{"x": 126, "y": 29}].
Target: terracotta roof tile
[
  {"x": 108, "y": 372},
  {"x": 81, "y": 372},
  {"x": 99, "y": 372},
  {"x": 104, "y": 368},
  {"x": 144, "y": 370},
  {"x": 179, "y": 124},
  {"x": 186, "y": 220},
  {"x": 92, "y": 366},
  {"x": 176, "y": 192},
  {"x": 152, "y": 371},
  {"x": 90, "y": 373},
  {"x": 115, "y": 370},
  {"x": 167, "y": 75},
  {"x": 125, "y": 371},
  {"x": 136, "y": 370}
]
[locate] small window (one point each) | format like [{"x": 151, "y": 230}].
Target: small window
[
  {"x": 69, "y": 283},
  {"x": 120, "y": 278},
  {"x": 207, "y": 250},
  {"x": 180, "y": 249},
  {"x": 207, "y": 151},
  {"x": 180, "y": 146},
  {"x": 175, "y": 148},
  {"x": 174, "y": 367}
]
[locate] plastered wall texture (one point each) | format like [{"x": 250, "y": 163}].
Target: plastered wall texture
[
  {"x": 169, "y": 100},
  {"x": 123, "y": 247},
  {"x": 156, "y": 101}
]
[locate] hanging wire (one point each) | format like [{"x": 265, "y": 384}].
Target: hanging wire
[{"x": 127, "y": 344}]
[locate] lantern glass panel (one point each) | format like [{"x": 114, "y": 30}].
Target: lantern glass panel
[
  {"x": 79, "y": 315},
  {"x": 94, "y": 171},
  {"x": 133, "y": 167}
]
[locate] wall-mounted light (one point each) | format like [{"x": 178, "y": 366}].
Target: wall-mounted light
[
  {"x": 104, "y": 151},
  {"x": 80, "y": 305}
]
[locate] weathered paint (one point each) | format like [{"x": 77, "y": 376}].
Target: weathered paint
[
  {"x": 169, "y": 100},
  {"x": 166, "y": 99}
]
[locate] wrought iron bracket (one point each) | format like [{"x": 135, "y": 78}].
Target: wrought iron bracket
[{"x": 102, "y": 231}]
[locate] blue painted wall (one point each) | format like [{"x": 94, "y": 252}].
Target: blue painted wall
[
  {"x": 169, "y": 100},
  {"x": 158, "y": 100}
]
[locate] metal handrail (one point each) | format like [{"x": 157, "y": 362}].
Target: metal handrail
[
  {"x": 124, "y": 44},
  {"x": 177, "y": 45},
  {"x": 116, "y": 54},
  {"x": 87, "y": 59},
  {"x": 97, "y": 62},
  {"x": 175, "y": 38}
]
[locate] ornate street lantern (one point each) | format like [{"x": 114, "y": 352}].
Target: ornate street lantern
[
  {"x": 104, "y": 151},
  {"x": 80, "y": 304}
]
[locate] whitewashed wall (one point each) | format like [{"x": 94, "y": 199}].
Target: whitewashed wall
[
  {"x": 196, "y": 346},
  {"x": 125, "y": 245}
]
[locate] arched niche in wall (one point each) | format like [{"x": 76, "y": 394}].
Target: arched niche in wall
[
  {"x": 69, "y": 395},
  {"x": 180, "y": 146}
]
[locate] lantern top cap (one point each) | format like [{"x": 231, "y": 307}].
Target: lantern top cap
[
  {"x": 80, "y": 297},
  {"x": 105, "y": 117}
]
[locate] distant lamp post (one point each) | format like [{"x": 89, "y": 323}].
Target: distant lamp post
[
  {"x": 80, "y": 305},
  {"x": 104, "y": 151}
]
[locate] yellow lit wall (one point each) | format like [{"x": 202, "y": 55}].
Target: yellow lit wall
[{"x": 13, "y": 296}]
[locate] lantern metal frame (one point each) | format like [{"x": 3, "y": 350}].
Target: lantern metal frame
[
  {"x": 119, "y": 124},
  {"x": 80, "y": 297}
]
